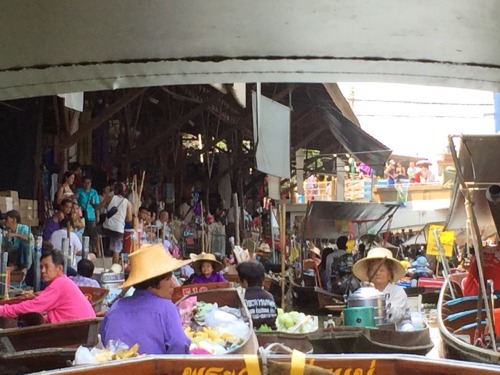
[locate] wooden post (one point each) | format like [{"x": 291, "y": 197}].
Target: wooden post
[
  {"x": 283, "y": 250},
  {"x": 236, "y": 220},
  {"x": 202, "y": 228}
]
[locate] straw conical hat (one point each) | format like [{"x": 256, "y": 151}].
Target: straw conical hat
[
  {"x": 360, "y": 268},
  {"x": 264, "y": 247},
  {"x": 205, "y": 257},
  {"x": 151, "y": 261}
]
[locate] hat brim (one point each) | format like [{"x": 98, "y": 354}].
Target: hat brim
[
  {"x": 217, "y": 266},
  {"x": 138, "y": 277},
  {"x": 360, "y": 269}
]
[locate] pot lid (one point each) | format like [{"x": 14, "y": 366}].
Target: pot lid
[{"x": 365, "y": 292}]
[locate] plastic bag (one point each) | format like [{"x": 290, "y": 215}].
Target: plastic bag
[{"x": 216, "y": 317}]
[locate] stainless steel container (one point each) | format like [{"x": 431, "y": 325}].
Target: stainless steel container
[{"x": 369, "y": 296}]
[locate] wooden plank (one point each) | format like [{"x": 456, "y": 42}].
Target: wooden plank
[
  {"x": 103, "y": 116},
  {"x": 341, "y": 102}
]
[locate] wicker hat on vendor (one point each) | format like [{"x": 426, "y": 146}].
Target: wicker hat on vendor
[
  {"x": 198, "y": 260},
  {"x": 315, "y": 250},
  {"x": 264, "y": 247},
  {"x": 360, "y": 268},
  {"x": 149, "y": 262}
]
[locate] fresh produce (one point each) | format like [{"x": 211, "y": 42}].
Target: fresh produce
[{"x": 295, "y": 321}]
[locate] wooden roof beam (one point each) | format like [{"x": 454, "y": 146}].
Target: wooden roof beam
[
  {"x": 105, "y": 115},
  {"x": 303, "y": 142},
  {"x": 153, "y": 143}
]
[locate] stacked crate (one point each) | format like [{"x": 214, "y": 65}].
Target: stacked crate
[{"x": 27, "y": 208}]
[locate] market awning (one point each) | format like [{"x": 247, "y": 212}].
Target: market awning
[
  {"x": 420, "y": 238},
  {"x": 478, "y": 159},
  {"x": 331, "y": 219},
  {"x": 356, "y": 141}
]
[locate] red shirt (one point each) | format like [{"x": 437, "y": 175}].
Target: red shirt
[{"x": 491, "y": 270}]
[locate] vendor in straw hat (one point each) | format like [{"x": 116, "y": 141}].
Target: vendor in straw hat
[
  {"x": 380, "y": 268},
  {"x": 207, "y": 269},
  {"x": 263, "y": 252},
  {"x": 148, "y": 318}
]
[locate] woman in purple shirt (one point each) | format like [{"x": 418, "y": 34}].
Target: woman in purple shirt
[
  {"x": 148, "y": 318},
  {"x": 207, "y": 269}
]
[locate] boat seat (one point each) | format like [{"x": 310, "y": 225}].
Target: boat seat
[
  {"x": 469, "y": 330},
  {"x": 460, "y": 319},
  {"x": 462, "y": 304}
]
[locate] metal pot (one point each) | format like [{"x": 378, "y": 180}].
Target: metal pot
[{"x": 369, "y": 296}]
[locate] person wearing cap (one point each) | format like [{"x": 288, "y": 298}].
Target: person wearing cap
[
  {"x": 264, "y": 250},
  {"x": 148, "y": 318},
  {"x": 380, "y": 268},
  {"x": 207, "y": 269}
]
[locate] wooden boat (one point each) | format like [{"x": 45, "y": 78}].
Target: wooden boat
[
  {"x": 297, "y": 341},
  {"x": 56, "y": 335},
  {"x": 228, "y": 297},
  {"x": 347, "y": 364},
  {"x": 457, "y": 323},
  {"x": 185, "y": 290},
  {"x": 272, "y": 285},
  {"x": 312, "y": 300},
  {"x": 371, "y": 340},
  {"x": 45, "y": 346},
  {"x": 95, "y": 296},
  {"x": 30, "y": 361}
]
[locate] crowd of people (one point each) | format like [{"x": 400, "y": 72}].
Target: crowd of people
[{"x": 396, "y": 172}]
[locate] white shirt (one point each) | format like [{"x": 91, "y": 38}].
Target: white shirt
[
  {"x": 398, "y": 309},
  {"x": 74, "y": 243},
  {"x": 117, "y": 222}
]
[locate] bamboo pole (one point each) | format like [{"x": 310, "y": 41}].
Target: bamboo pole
[
  {"x": 476, "y": 237},
  {"x": 135, "y": 222}
]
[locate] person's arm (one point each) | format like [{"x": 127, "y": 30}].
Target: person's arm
[
  {"x": 176, "y": 341},
  {"x": 59, "y": 194},
  {"x": 22, "y": 237},
  {"x": 220, "y": 278},
  {"x": 129, "y": 216},
  {"x": 397, "y": 305},
  {"x": 42, "y": 303},
  {"x": 105, "y": 202}
]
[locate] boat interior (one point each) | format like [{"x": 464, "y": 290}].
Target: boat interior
[{"x": 460, "y": 313}]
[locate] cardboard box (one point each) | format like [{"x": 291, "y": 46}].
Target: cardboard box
[
  {"x": 6, "y": 203},
  {"x": 26, "y": 203},
  {"x": 10, "y": 193},
  {"x": 33, "y": 222}
]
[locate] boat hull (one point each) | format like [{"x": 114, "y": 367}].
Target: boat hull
[
  {"x": 453, "y": 346},
  {"x": 371, "y": 340},
  {"x": 235, "y": 364}
]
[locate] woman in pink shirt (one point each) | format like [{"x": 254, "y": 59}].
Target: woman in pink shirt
[{"x": 62, "y": 300}]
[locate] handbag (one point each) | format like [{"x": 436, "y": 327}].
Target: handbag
[{"x": 113, "y": 210}]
